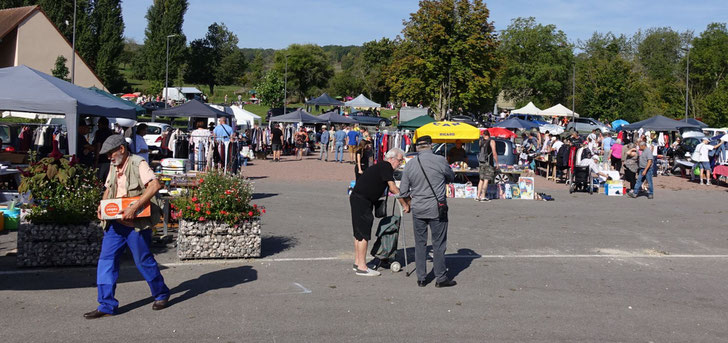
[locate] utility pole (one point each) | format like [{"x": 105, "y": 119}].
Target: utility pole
[
  {"x": 285, "y": 85},
  {"x": 73, "y": 53},
  {"x": 687, "y": 79},
  {"x": 573, "y": 92},
  {"x": 166, "y": 73}
]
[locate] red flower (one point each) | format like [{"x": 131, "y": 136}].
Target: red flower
[
  {"x": 255, "y": 206},
  {"x": 250, "y": 214},
  {"x": 207, "y": 212},
  {"x": 263, "y": 210},
  {"x": 202, "y": 219},
  {"x": 228, "y": 192},
  {"x": 188, "y": 207},
  {"x": 201, "y": 180},
  {"x": 194, "y": 199},
  {"x": 223, "y": 212},
  {"x": 197, "y": 209}
]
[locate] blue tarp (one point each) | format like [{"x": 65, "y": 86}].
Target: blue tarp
[
  {"x": 24, "y": 89},
  {"x": 192, "y": 108},
  {"x": 325, "y": 100},
  {"x": 657, "y": 123},
  {"x": 516, "y": 123},
  {"x": 297, "y": 116},
  {"x": 618, "y": 123},
  {"x": 333, "y": 117}
]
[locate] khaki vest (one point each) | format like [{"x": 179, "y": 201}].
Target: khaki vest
[{"x": 135, "y": 187}]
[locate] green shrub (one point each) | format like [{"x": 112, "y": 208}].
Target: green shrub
[{"x": 62, "y": 192}]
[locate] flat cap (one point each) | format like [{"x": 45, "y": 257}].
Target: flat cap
[
  {"x": 424, "y": 140},
  {"x": 111, "y": 143}
]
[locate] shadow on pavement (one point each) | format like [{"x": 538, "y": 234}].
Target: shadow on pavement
[
  {"x": 271, "y": 245},
  {"x": 257, "y": 196},
  {"x": 464, "y": 259},
  {"x": 256, "y": 177},
  {"x": 219, "y": 279}
]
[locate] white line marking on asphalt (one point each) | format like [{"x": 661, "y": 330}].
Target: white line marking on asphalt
[{"x": 336, "y": 258}]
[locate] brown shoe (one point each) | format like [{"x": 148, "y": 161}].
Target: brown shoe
[
  {"x": 96, "y": 314},
  {"x": 160, "y": 304}
]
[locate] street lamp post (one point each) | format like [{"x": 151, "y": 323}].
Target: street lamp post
[
  {"x": 166, "y": 72},
  {"x": 73, "y": 53}
]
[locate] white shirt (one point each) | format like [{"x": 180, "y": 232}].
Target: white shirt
[
  {"x": 702, "y": 151},
  {"x": 141, "y": 145},
  {"x": 557, "y": 145}
]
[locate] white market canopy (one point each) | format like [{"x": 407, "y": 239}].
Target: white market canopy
[
  {"x": 361, "y": 101},
  {"x": 242, "y": 116},
  {"x": 28, "y": 115},
  {"x": 528, "y": 109},
  {"x": 24, "y": 89},
  {"x": 179, "y": 93},
  {"x": 558, "y": 110}
]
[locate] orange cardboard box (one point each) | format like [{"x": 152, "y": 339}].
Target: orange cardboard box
[{"x": 111, "y": 208}]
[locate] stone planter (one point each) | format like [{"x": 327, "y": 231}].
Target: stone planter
[
  {"x": 49, "y": 245},
  {"x": 200, "y": 240}
]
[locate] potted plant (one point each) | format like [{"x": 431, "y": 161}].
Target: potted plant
[
  {"x": 60, "y": 226},
  {"x": 217, "y": 219}
]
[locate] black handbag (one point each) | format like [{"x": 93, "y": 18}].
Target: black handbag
[
  {"x": 441, "y": 205},
  {"x": 380, "y": 208}
]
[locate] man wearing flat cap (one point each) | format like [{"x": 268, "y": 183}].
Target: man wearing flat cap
[
  {"x": 129, "y": 176},
  {"x": 423, "y": 180}
]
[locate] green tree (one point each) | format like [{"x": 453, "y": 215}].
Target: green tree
[
  {"x": 538, "y": 62},
  {"x": 129, "y": 52},
  {"x": 344, "y": 84},
  {"x": 256, "y": 69},
  {"x": 110, "y": 34},
  {"x": 270, "y": 89},
  {"x": 164, "y": 18},
  {"x": 708, "y": 72},
  {"x": 607, "y": 87},
  {"x": 450, "y": 47},
  {"x": 60, "y": 70},
  {"x": 216, "y": 58},
  {"x": 374, "y": 59},
  {"x": 308, "y": 67},
  {"x": 658, "y": 53}
]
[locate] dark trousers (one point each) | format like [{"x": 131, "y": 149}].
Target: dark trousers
[
  {"x": 116, "y": 239},
  {"x": 631, "y": 177},
  {"x": 616, "y": 163},
  {"x": 438, "y": 232}
]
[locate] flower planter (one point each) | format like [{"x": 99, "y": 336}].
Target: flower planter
[
  {"x": 210, "y": 239},
  {"x": 49, "y": 245}
]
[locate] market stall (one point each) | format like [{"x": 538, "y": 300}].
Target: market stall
[{"x": 24, "y": 89}]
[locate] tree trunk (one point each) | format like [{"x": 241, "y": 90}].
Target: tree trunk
[{"x": 212, "y": 88}]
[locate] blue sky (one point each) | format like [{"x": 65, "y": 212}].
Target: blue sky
[{"x": 278, "y": 23}]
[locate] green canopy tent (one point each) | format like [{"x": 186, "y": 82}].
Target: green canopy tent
[{"x": 415, "y": 123}]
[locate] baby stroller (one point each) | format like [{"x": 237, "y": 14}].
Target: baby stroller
[
  {"x": 384, "y": 249},
  {"x": 582, "y": 180}
]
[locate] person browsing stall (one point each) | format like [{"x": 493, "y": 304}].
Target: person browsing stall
[
  {"x": 644, "y": 172},
  {"x": 140, "y": 144},
  {"x": 423, "y": 182},
  {"x": 702, "y": 154},
  {"x": 222, "y": 131},
  {"x": 130, "y": 176},
  {"x": 324, "y": 144},
  {"x": 488, "y": 160},
  {"x": 276, "y": 142},
  {"x": 370, "y": 186},
  {"x": 339, "y": 141},
  {"x": 457, "y": 153}
]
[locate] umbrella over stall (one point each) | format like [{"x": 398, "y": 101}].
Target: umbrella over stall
[{"x": 448, "y": 132}]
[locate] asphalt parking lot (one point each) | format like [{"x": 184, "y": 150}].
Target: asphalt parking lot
[{"x": 581, "y": 268}]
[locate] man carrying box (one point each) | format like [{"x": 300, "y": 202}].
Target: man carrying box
[{"x": 129, "y": 176}]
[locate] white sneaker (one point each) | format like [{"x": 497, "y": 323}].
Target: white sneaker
[
  {"x": 708, "y": 183},
  {"x": 368, "y": 272}
]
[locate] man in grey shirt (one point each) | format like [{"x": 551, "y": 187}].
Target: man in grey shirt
[
  {"x": 424, "y": 208},
  {"x": 644, "y": 172}
]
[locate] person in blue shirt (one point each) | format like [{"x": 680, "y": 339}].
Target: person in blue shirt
[
  {"x": 339, "y": 141},
  {"x": 222, "y": 131},
  {"x": 353, "y": 141},
  {"x": 607, "y": 143},
  {"x": 324, "y": 146}
]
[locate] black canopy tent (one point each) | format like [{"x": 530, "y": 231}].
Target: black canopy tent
[
  {"x": 325, "y": 100},
  {"x": 657, "y": 123},
  {"x": 695, "y": 122},
  {"x": 335, "y": 118},
  {"x": 297, "y": 116}
]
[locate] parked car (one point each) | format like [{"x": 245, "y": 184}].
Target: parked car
[
  {"x": 367, "y": 118},
  {"x": 151, "y": 106},
  {"x": 530, "y": 117},
  {"x": 468, "y": 119},
  {"x": 408, "y": 113},
  {"x": 586, "y": 125},
  {"x": 153, "y": 138},
  {"x": 711, "y": 132},
  {"x": 503, "y": 147}
]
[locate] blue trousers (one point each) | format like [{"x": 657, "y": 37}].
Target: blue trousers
[
  {"x": 339, "y": 152},
  {"x": 107, "y": 272},
  {"x": 641, "y": 179}
]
